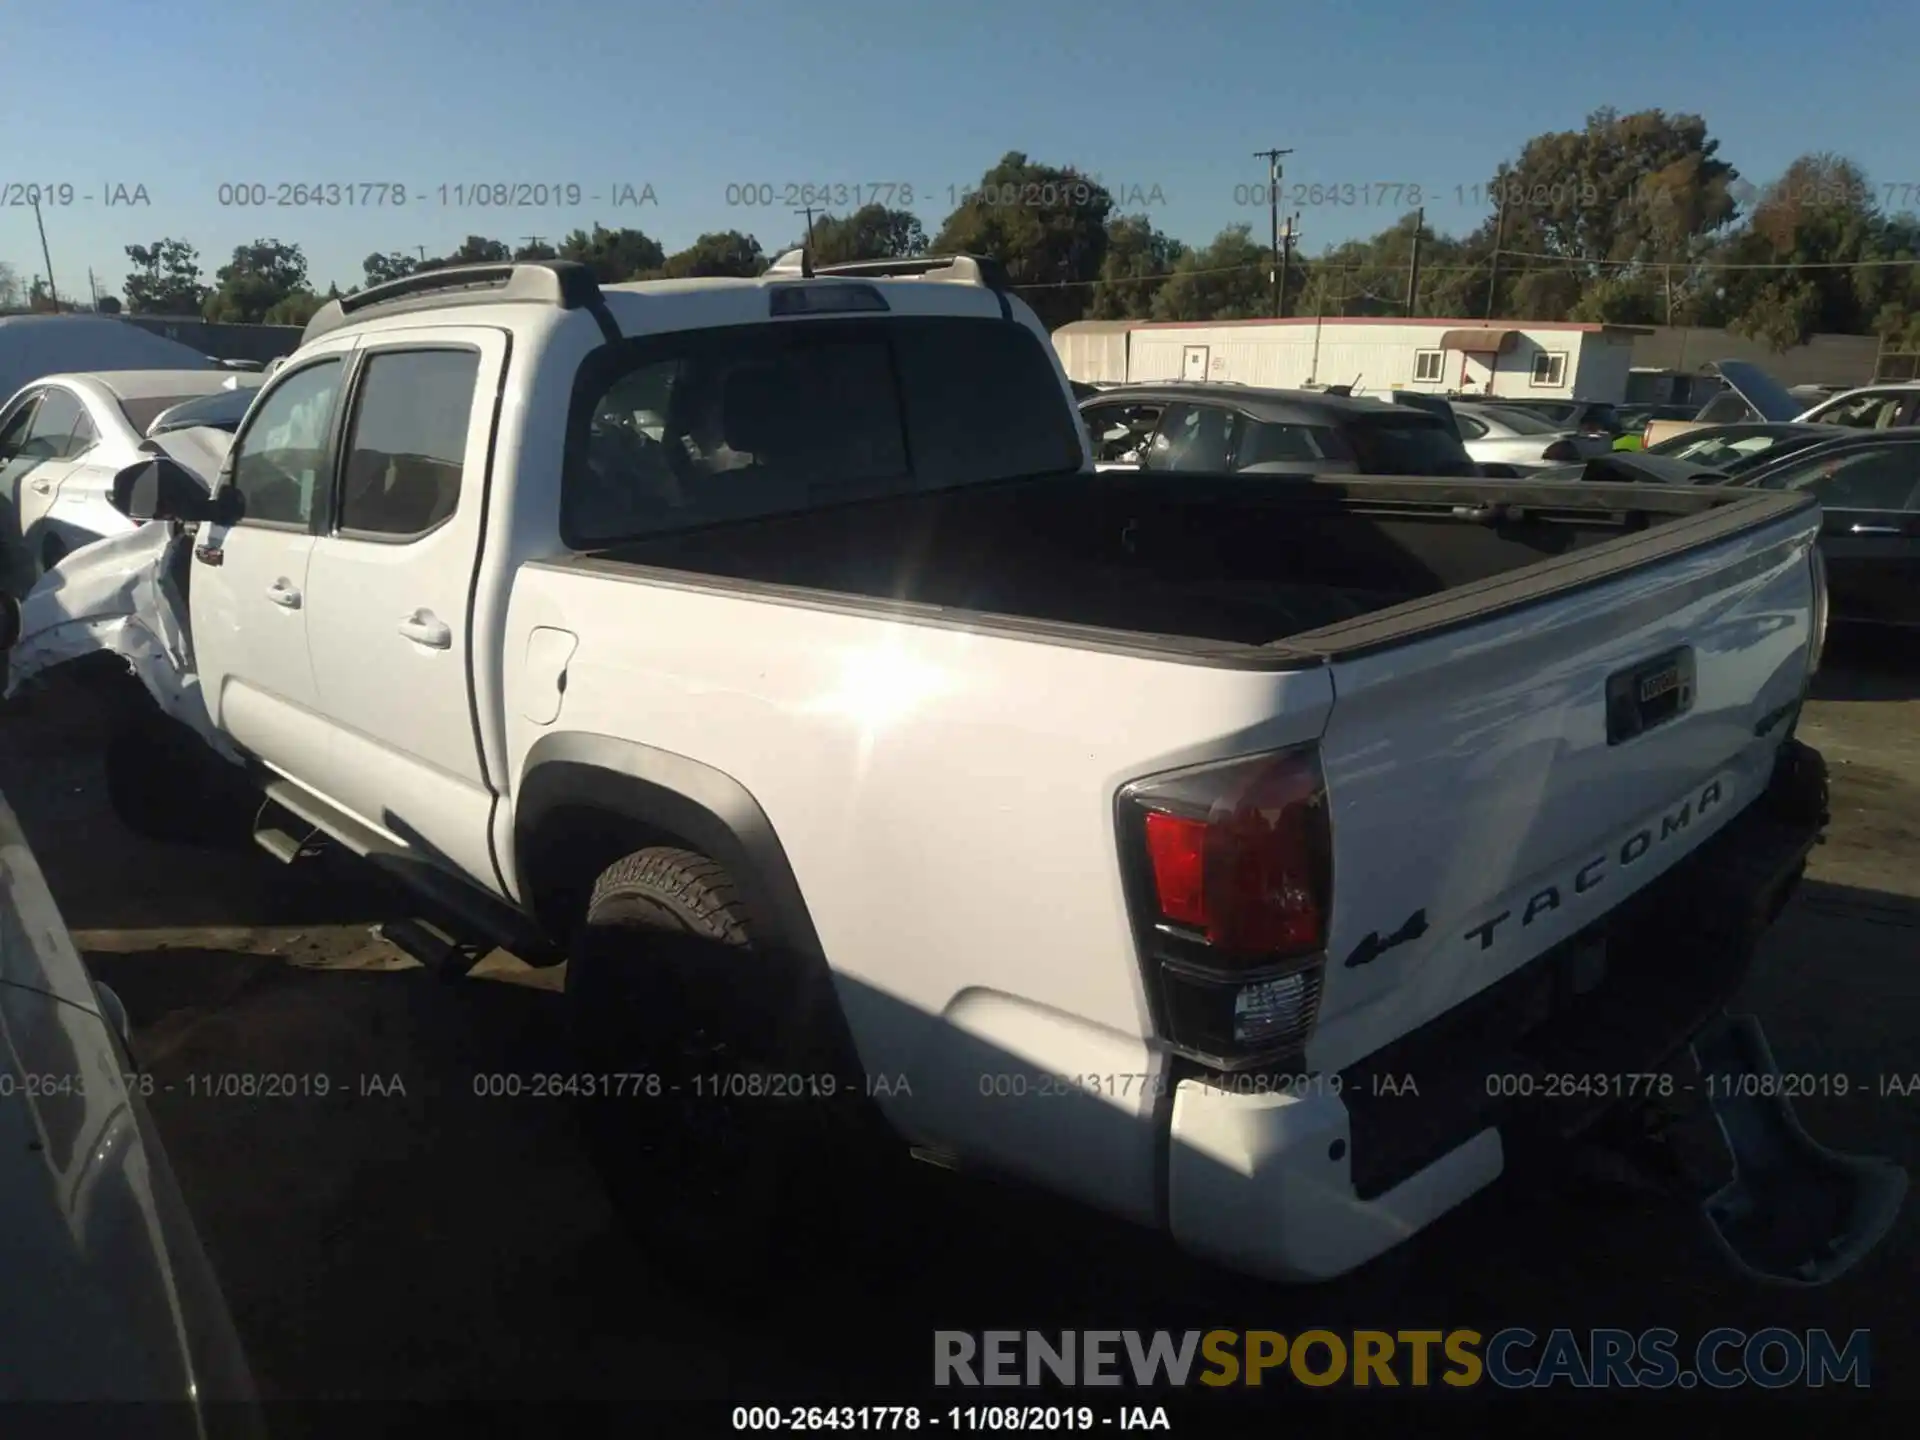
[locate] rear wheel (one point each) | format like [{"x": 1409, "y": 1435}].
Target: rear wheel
[{"x": 711, "y": 1062}]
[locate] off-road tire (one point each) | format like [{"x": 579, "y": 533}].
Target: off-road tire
[{"x": 670, "y": 999}]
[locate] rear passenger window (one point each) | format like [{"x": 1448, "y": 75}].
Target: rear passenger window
[{"x": 408, "y": 442}]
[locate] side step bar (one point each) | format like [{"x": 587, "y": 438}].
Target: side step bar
[{"x": 476, "y": 912}]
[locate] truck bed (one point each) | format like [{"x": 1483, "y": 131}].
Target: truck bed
[{"x": 1298, "y": 564}]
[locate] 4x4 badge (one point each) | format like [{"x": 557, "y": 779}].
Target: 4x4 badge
[{"x": 1373, "y": 947}]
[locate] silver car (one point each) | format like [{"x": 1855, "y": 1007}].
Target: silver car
[
  {"x": 1494, "y": 434},
  {"x": 105, "y": 1292}
]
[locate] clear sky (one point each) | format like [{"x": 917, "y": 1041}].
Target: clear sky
[{"x": 185, "y": 96}]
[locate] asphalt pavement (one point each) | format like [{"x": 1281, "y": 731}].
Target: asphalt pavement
[{"x": 404, "y": 1238}]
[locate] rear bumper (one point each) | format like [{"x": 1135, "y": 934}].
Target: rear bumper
[{"x": 1310, "y": 1183}]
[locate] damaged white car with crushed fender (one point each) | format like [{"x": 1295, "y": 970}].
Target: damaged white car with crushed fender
[{"x": 771, "y": 651}]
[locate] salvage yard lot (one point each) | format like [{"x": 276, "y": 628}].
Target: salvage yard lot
[{"x": 406, "y": 1239}]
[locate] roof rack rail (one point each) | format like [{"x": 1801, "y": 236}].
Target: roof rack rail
[
  {"x": 567, "y": 284},
  {"x": 961, "y": 269}
]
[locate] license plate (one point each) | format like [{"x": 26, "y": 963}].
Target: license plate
[
  {"x": 1653, "y": 686},
  {"x": 1658, "y": 689}
]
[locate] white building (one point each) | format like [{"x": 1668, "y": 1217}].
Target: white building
[{"x": 1542, "y": 358}]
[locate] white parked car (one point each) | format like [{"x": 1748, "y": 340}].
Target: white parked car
[
  {"x": 105, "y": 1291},
  {"x": 1869, "y": 407},
  {"x": 1494, "y": 434},
  {"x": 1243, "y": 858},
  {"x": 63, "y": 439}
]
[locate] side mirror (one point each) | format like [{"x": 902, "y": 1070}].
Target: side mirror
[{"x": 164, "y": 489}]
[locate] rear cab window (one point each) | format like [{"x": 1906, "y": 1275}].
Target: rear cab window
[
  {"x": 1406, "y": 445},
  {"x": 703, "y": 427},
  {"x": 1273, "y": 442}
]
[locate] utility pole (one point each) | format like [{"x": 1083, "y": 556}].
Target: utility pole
[
  {"x": 1286, "y": 264},
  {"x": 807, "y": 210},
  {"x": 423, "y": 251},
  {"x": 93, "y": 290},
  {"x": 1413, "y": 267},
  {"x": 1669, "y": 272},
  {"x": 1273, "y": 218},
  {"x": 45, "y": 254},
  {"x": 531, "y": 240},
  {"x": 1499, "y": 235}
]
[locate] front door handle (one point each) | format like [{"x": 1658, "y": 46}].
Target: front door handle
[
  {"x": 1873, "y": 529},
  {"x": 423, "y": 627},
  {"x": 284, "y": 595},
  {"x": 40, "y": 487}
]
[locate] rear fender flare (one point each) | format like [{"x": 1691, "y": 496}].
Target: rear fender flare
[{"x": 656, "y": 792}]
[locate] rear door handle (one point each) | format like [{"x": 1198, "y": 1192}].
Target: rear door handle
[
  {"x": 423, "y": 627},
  {"x": 284, "y": 595}
]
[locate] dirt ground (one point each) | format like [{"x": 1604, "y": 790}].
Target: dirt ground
[{"x": 424, "y": 1244}]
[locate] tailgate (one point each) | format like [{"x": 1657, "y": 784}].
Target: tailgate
[{"x": 1497, "y": 784}]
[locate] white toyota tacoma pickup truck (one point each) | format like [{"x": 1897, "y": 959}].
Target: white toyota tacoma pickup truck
[{"x": 1271, "y": 863}]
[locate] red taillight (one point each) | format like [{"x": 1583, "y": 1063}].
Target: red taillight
[
  {"x": 1229, "y": 873},
  {"x": 1253, "y": 875},
  {"x": 1177, "y": 849},
  {"x": 1561, "y": 450},
  {"x": 1646, "y": 435}
]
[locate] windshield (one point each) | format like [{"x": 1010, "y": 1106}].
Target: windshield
[
  {"x": 1407, "y": 445},
  {"x": 1719, "y": 450},
  {"x": 727, "y": 424},
  {"x": 1556, "y": 413},
  {"x": 224, "y": 410}
]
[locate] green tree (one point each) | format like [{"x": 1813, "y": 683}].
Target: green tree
[
  {"x": 1619, "y": 299},
  {"x": 258, "y": 278},
  {"x": 296, "y": 309},
  {"x": 614, "y": 255},
  {"x": 478, "y": 250},
  {"x": 1782, "y": 283},
  {"x": 873, "y": 232},
  {"x": 1138, "y": 260},
  {"x": 394, "y": 265},
  {"x": 1645, "y": 186},
  {"x": 108, "y": 305},
  {"x": 1228, "y": 280},
  {"x": 1369, "y": 277},
  {"x": 536, "y": 250},
  {"x": 725, "y": 252},
  {"x": 165, "y": 279},
  {"x": 1046, "y": 224}
]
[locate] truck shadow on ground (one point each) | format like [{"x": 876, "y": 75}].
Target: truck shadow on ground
[
  {"x": 410, "y": 1235},
  {"x": 405, "y": 1236},
  {"x": 107, "y": 878}
]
